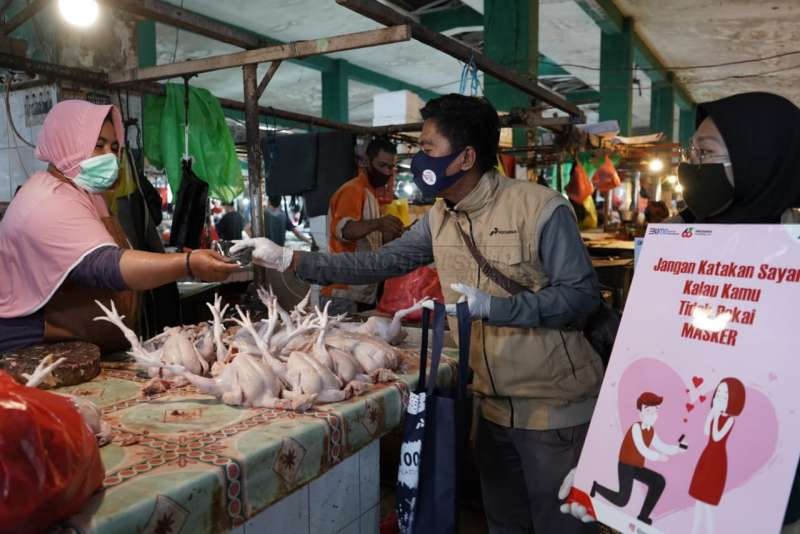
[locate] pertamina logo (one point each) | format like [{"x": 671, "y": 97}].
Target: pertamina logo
[{"x": 496, "y": 230}]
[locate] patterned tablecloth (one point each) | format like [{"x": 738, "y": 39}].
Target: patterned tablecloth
[{"x": 184, "y": 462}]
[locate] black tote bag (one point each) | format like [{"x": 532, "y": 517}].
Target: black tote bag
[{"x": 434, "y": 434}]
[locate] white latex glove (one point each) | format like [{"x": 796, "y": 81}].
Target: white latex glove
[
  {"x": 478, "y": 302},
  {"x": 265, "y": 253},
  {"x": 574, "y": 509}
]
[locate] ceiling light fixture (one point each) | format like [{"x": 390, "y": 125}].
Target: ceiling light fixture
[
  {"x": 656, "y": 165},
  {"x": 81, "y": 13}
]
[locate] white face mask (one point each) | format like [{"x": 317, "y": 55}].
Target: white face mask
[{"x": 98, "y": 173}]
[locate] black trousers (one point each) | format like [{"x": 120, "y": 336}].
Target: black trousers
[
  {"x": 627, "y": 474},
  {"x": 521, "y": 471}
]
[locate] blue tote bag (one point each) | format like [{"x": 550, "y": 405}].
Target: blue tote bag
[{"x": 434, "y": 434}]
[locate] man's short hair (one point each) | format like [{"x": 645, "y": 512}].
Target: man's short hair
[
  {"x": 274, "y": 200},
  {"x": 380, "y": 144},
  {"x": 467, "y": 121},
  {"x": 648, "y": 399}
]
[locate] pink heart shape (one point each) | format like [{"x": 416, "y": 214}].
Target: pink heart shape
[
  {"x": 689, "y": 406},
  {"x": 702, "y": 398},
  {"x": 697, "y": 381},
  {"x": 744, "y": 459}
]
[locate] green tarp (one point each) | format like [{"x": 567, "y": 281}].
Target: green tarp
[{"x": 210, "y": 142}]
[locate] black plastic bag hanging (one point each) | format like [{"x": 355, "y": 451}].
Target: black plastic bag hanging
[{"x": 191, "y": 206}]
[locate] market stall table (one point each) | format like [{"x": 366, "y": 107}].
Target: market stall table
[{"x": 182, "y": 461}]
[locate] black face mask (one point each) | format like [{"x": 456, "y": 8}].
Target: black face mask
[
  {"x": 706, "y": 188},
  {"x": 377, "y": 178}
]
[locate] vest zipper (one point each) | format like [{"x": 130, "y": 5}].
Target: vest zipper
[
  {"x": 569, "y": 356},
  {"x": 483, "y": 332}
]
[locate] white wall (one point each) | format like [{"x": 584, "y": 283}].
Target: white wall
[{"x": 16, "y": 158}]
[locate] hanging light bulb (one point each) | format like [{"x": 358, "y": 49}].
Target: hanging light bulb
[
  {"x": 672, "y": 179},
  {"x": 408, "y": 189},
  {"x": 679, "y": 189},
  {"x": 81, "y": 13},
  {"x": 656, "y": 165}
]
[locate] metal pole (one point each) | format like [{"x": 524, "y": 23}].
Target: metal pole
[{"x": 254, "y": 161}]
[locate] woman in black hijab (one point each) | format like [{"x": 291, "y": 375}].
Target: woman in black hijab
[
  {"x": 744, "y": 168},
  {"x": 744, "y": 161}
]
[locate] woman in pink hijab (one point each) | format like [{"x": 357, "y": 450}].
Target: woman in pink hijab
[{"x": 60, "y": 249}]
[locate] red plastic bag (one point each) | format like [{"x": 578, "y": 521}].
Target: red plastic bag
[
  {"x": 403, "y": 291},
  {"x": 606, "y": 177},
  {"x": 579, "y": 187},
  {"x": 49, "y": 460}
]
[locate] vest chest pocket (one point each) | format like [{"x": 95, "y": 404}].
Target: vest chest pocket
[{"x": 510, "y": 257}]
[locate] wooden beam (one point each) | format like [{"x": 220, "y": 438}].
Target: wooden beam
[
  {"x": 24, "y": 16},
  {"x": 99, "y": 80},
  {"x": 178, "y": 17},
  {"x": 273, "y": 68},
  {"x": 388, "y": 16},
  {"x": 298, "y": 49}
]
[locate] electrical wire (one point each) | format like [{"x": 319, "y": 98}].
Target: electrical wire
[
  {"x": 177, "y": 36},
  {"x": 10, "y": 119}
]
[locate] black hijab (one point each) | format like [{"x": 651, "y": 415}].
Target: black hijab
[{"x": 762, "y": 134}]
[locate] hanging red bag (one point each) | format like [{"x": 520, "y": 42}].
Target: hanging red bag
[
  {"x": 402, "y": 292},
  {"x": 579, "y": 186},
  {"x": 606, "y": 177},
  {"x": 49, "y": 460}
]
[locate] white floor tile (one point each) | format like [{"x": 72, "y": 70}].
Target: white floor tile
[
  {"x": 290, "y": 514},
  {"x": 334, "y": 498},
  {"x": 370, "y": 476},
  {"x": 370, "y": 521}
]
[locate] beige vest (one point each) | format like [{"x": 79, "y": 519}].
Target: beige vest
[{"x": 532, "y": 378}]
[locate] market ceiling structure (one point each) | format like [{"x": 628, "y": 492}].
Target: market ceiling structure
[{"x": 674, "y": 45}]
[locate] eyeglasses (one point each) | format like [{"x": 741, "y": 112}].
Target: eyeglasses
[{"x": 696, "y": 155}]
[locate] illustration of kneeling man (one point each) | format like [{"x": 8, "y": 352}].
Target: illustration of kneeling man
[{"x": 641, "y": 443}]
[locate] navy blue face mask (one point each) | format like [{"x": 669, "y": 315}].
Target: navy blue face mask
[{"x": 429, "y": 172}]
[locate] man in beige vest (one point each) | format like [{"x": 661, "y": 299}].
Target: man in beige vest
[{"x": 536, "y": 378}]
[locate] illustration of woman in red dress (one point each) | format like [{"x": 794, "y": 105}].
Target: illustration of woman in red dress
[{"x": 708, "y": 481}]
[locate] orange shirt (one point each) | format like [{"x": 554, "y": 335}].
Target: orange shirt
[{"x": 355, "y": 200}]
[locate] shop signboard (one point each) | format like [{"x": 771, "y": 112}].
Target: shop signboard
[{"x": 697, "y": 426}]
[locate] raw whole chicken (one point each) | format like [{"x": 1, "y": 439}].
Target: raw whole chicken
[
  {"x": 289, "y": 360},
  {"x": 90, "y": 413},
  {"x": 389, "y": 330}
]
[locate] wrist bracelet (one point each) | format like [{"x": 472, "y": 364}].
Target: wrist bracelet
[{"x": 188, "y": 266}]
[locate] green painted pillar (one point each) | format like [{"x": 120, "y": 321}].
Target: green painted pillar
[
  {"x": 662, "y": 108},
  {"x": 511, "y": 33},
  {"x": 687, "y": 121},
  {"x": 616, "y": 77},
  {"x": 146, "y": 43},
  {"x": 335, "y": 98}
]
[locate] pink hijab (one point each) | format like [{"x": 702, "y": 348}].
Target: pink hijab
[{"x": 50, "y": 225}]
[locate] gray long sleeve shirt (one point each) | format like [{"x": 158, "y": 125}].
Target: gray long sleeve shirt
[{"x": 573, "y": 291}]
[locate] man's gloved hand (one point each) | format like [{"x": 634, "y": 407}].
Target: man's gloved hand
[
  {"x": 574, "y": 509},
  {"x": 265, "y": 253},
  {"x": 478, "y": 301}
]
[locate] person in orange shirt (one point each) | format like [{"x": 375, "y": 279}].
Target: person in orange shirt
[{"x": 355, "y": 224}]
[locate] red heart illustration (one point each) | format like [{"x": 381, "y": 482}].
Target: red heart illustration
[
  {"x": 689, "y": 406},
  {"x": 702, "y": 398},
  {"x": 697, "y": 381},
  {"x": 685, "y": 420}
]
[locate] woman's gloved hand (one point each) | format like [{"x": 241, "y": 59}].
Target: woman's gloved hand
[
  {"x": 574, "y": 509},
  {"x": 479, "y": 302},
  {"x": 266, "y": 253}
]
